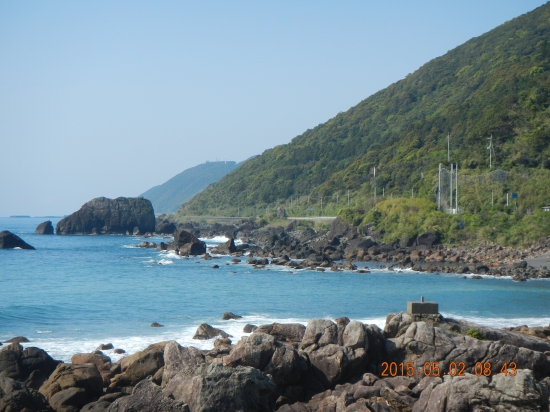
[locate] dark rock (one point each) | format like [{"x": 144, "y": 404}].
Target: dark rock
[
  {"x": 18, "y": 339},
  {"x": 362, "y": 243},
  {"x": 188, "y": 244},
  {"x": 69, "y": 400},
  {"x": 105, "y": 346},
  {"x": 205, "y": 331},
  {"x": 281, "y": 213},
  {"x": 102, "y": 215},
  {"x": 165, "y": 228},
  {"x": 147, "y": 397},
  {"x": 10, "y": 241},
  {"x": 15, "y": 397},
  {"x": 248, "y": 328},
  {"x": 208, "y": 388},
  {"x": 520, "y": 265},
  {"x": 227, "y": 247},
  {"x": 44, "y": 228},
  {"x": 68, "y": 376},
  {"x": 341, "y": 323},
  {"x": 319, "y": 332},
  {"x": 230, "y": 315},
  {"x": 284, "y": 332},
  {"x": 428, "y": 239},
  {"x": 339, "y": 227},
  {"x": 19, "y": 364},
  {"x": 156, "y": 325},
  {"x": 119, "y": 351},
  {"x": 98, "y": 406}
]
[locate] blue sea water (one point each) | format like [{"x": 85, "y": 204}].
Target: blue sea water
[{"x": 75, "y": 292}]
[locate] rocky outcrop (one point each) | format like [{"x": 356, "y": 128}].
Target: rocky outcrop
[
  {"x": 179, "y": 359},
  {"x": 140, "y": 365},
  {"x": 227, "y": 247},
  {"x": 10, "y": 241},
  {"x": 165, "y": 228},
  {"x": 209, "y": 386},
  {"x": 18, "y": 363},
  {"x": 205, "y": 331},
  {"x": 188, "y": 244},
  {"x": 15, "y": 396},
  {"x": 519, "y": 393},
  {"x": 123, "y": 215},
  {"x": 230, "y": 316},
  {"x": 147, "y": 397},
  {"x": 284, "y": 332},
  {"x": 67, "y": 376},
  {"x": 44, "y": 228}
]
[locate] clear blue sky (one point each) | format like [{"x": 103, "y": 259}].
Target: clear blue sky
[{"x": 110, "y": 98}]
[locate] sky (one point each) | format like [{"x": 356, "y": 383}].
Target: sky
[{"x": 111, "y": 98}]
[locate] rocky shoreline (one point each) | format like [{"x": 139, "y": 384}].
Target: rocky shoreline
[
  {"x": 417, "y": 363},
  {"x": 343, "y": 244}
]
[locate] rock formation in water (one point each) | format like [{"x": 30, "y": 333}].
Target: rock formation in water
[
  {"x": 123, "y": 215},
  {"x": 10, "y": 241},
  {"x": 44, "y": 228}
]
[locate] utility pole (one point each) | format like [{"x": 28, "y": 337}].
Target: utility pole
[
  {"x": 412, "y": 193},
  {"x": 451, "y": 188},
  {"x": 490, "y": 148},
  {"x": 375, "y": 184},
  {"x": 439, "y": 189},
  {"x": 492, "y": 198},
  {"x": 336, "y": 197},
  {"x": 383, "y": 189},
  {"x": 321, "y": 205},
  {"x": 348, "y": 197},
  {"x": 448, "y": 148},
  {"x": 506, "y": 199},
  {"x": 456, "y": 192}
]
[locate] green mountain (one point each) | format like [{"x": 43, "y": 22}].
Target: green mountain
[
  {"x": 169, "y": 196},
  {"x": 497, "y": 84}
]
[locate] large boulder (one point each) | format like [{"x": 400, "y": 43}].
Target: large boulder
[
  {"x": 227, "y": 247},
  {"x": 10, "y": 241},
  {"x": 361, "y": 243},
  {"x": 146, "y": 397},
  {"x": 188, "y": 244},
  {"x": 67, "y": 376},
  {"x": 215, "y": 387},
  {"x": 69, "y": 400},
  {"x": 179, "y": 359},
  {"x": 424, "y": 343},
  {"x": 165, "y": 228},
  {"x": 519, "y": 393},
  {"x": 284, "y": 332},
  {"x": 428, "y": 239},
  {"x": 18, "y": 363},
  {"x": 339, "y": 227},
  {"x": 140, "y": 365},
  {"x": 101, "y": 361},
  {"x": 319, "y": 332},
  {"x": 101, "y": 216},
  {"x": 205, "y": 332},
  {"x": 44, "y": 228},
  {"x": 15, "y": 396}
]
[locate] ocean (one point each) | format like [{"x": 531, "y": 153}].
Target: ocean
[{"x": 74, "y": 293}]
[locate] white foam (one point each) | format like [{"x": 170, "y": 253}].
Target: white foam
[
  {"x": 43, "y": 331},
  {"x": 165, "y": 262},
  {"x": 498, "y": 322},
  {"x": 215, "y": 239}
]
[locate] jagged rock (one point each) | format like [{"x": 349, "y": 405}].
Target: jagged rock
[
  {"x": 341, "y": 324},
  {"x": 520, "y": 393},
  {"x": 98, "y": 406},
  {"x": 208, "y": 388},
  {"x": 188, "y": 244},
  {"x": 284, "y": 332},
  {"x": 69, "y": 400},
  {"x": 319, "y": 332},
  {"x": 18, "y": 363},
  {"x": 230, "y": 315},
  {"x": 117, "y": 216},
  {"x": 205, "y": 331},
  {"x": 147, "y": 397},
  {"x": 44, "y": 228},
  {"x": 428, "y": 239},
  {"x": 165, "y": 228},
  {"x": 227, "y": 247},
  {"x": 10, "y": 241},
  {"x": 339, "y": 227},
  {"x": 255, "y": 350},
  {"x": 68, "y": 376},
  {"x": 179, "y": 359},
  {"x": 15, "y": 396},
  {"x": 140, "y": 365},
  {"x": 423, "y": 343},
  {"x": 361, "y": 243},
  {"x": 248, "y": 328}
]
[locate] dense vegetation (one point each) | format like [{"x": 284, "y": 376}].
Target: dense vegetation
[
  {"x": 168, "y": 197},
  {"x": 495, "y": 85}
]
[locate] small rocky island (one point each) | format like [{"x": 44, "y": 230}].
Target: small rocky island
[
  {"x": 123, "y": 215},
  {"x": 9, "y": 240},
  {"x": 326, "y": 366}
]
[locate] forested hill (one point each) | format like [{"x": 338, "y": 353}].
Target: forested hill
[
  {"x": 496, "y": 84},
  {"x": 169, "y": 196}
]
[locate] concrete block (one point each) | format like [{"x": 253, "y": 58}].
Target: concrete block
[{"x": 422, "y": 308}]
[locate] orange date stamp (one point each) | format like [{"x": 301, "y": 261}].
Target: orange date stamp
[{"x": 392, "y": 369}]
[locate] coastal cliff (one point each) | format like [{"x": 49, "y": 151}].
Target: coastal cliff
[{"x": 123, "y": 215}]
